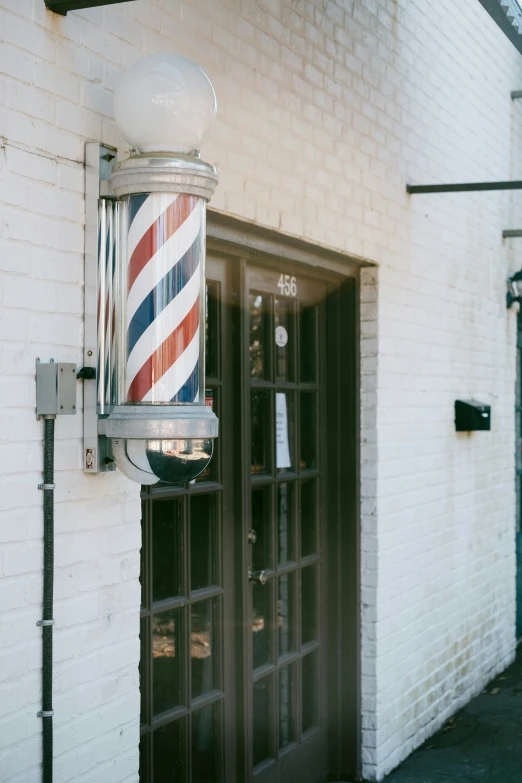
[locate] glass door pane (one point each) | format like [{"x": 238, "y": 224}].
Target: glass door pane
[
  {"x": 183, "y": 608},
  {"x": 284, "y": 393}
]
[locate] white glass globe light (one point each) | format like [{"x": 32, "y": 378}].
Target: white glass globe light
[{"x": 165, "y": 103}]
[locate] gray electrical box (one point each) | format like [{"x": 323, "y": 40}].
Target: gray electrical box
[{"x": 55, "y": 389}]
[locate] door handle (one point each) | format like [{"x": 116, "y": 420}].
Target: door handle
[
  {"x": 258, "y": 577},
  {"x": 252, "y": 536}
]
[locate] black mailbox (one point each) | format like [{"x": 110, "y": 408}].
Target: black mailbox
[
  {"x": 472, "y": 415},
  {"x": 62, "y": 6}
]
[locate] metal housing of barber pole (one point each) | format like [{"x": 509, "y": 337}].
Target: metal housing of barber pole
[{"x": 151, "y": 295}]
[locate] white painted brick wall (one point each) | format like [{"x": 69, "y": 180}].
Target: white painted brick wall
[{"x": 326, "y": 110}]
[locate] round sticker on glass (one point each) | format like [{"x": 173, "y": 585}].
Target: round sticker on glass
[{"x": 281, "y": 336}]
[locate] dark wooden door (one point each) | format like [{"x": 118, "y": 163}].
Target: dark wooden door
[{"x": 234, "y": 570}]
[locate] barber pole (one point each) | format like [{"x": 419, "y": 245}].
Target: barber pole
[
  {"x": 153, "y": 422},
  {"x": 165, "y": 269}
]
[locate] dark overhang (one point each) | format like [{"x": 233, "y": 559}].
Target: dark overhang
[
  {"x": 62, "y": 6},
  {"x": 508, "y": 15}
]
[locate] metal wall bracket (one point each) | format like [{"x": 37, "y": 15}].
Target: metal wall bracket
[
  {"x": 464, "y": 187},
  {"x": 99, "y": 160}
]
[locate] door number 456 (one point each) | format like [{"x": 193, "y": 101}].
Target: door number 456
[{"x": 287, "y": 284}]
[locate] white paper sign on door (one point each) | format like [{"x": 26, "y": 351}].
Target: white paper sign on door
[{"x": 282, "y": 442}]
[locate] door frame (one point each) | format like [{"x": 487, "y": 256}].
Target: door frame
[
  {"x": 518, "y": 479},
  {"x": 236, "y": 238}
]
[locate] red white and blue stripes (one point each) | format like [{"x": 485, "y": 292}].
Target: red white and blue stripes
[{"x": 165, "y": 255}]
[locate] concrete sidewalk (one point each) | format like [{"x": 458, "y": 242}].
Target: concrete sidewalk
[{"x": 483, "y": 742}]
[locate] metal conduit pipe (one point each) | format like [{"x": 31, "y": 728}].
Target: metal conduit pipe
[{"x": 47, "y": 620}]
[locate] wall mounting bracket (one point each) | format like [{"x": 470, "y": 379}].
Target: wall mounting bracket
[
  {"x": 98, "y": 356},
  {"x": 462, "y": 187}
]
